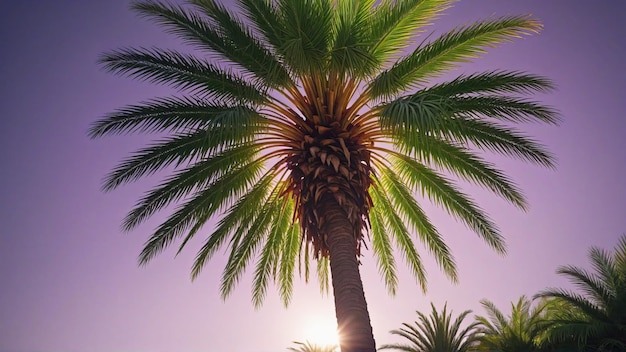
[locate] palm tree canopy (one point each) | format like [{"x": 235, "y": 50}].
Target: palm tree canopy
[
  {"x": 438, "y": 332},
  {"x": 288, "y": 102},
  {"x": 312, "y": 347},
  {"x": 596, "y": 316},
  {"x": 521, "y": 331}
]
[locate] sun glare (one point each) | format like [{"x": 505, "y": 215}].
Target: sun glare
[{"x": 322, "y": 332}]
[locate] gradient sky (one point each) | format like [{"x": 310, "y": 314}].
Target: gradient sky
[{"x": 69, "y": 279}]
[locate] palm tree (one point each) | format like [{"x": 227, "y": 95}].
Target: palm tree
[
  {"x": 312, "y": 347},
  {"x": 521, "y": 331},
  {"x": 596, "y": 317},
  {"x": 304, "y": 127},
  {"x": 436, "y": 333}
]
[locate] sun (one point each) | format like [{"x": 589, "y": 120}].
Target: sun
[{"x": 322, "y": 332}]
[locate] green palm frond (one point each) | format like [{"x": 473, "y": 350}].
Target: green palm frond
[
  {"x": 395, "y": 22},
  {"x": 226, "y": 43},
  {"x": 350, "y": 53},
  {"x": 241, "y": 213},
  {"x": 184, "y": 182},
  {"x": 255, "y": 232},
  {"x": 306, "y": 34},
  {"x": 459, "y": 45},
  {"x": 405, "y": 204},
  {"x": 232, "y": 127},
  {"x": 501, "y": 108},
  {"x": 265, "y": 19},
  {"x": 400, "y": 234},
  {"x": 492, "y": 82},
  {"x": 184, "y": 72},
  {"x": 461, "y": 162},
  {"x": 507, "y": 141},
  {"x": 444, "y": 193},
  {"x": 409, "y": 121},
  {"x": 383, "y": 251},
  {"x": 257, "y": 59},
  {"x": 203, "y": 204},
  {"x": 436, "y": 332},
  {"x": 163, "y": 115},
  {"x": 289, "y": 253}
]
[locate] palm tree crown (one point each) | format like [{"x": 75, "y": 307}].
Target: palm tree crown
[
  {"x": 312, "y": 347},
  {"x": 437, "y": 333},
  {"x": 521, "y": 331},
  {"x": 596, "y": 317},
  {"x": 305, "y": 129}
]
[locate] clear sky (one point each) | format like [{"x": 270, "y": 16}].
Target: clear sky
[{"x": 69, "y": 279}]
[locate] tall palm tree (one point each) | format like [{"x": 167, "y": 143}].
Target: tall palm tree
[
  {"x": 306, "y": 126},
  {"x": 595, "y": 318},
  {"x": 521, "y": 331},
  {"x": 437, "y": 333}
]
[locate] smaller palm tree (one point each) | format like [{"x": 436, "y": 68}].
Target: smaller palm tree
[
  {"x": 436, "y": 333},
  {"x": 521, "y": 331},
  {"x": 595, "y": 318},
  {"x": 312, "y": 347}
]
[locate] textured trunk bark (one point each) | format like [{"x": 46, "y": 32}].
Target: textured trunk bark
[{"x": 353, "y": 321}]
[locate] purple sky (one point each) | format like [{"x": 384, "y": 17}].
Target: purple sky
[{"x": 69, "y": 279}]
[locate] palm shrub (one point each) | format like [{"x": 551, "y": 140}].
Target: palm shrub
[
  {"x": 521, "y": 331},
  {"x": 594, "y": 318},
  {"x": 438, "y": 332},
  {"x": 305, "y": 127},
  {"x": 311, "y": 347}
]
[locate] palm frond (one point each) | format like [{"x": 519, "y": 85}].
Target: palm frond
[
  {"x": 253, "y": 56},
  {"x": 407, "y": 120},
  {"x": 196, "y": 30},
  {"x": 461, "y": 162},
  {"x": 270, "y": 254},
  {"x": 203, "y": 204},
  {"x": 349, "y": 53},
  {"x": 501, "y": 108},
  {"x": 242, "y": 212},
  {"x": 254, "y": 233},
  {"x": 443, "y": 192},
  {"x": 459, "y": 45},
  {"x": 402, "y": 237},
  {"x": 306, "y": 34},
  {"x": 184, "y": 182},
  {"x": 163, "y": 115},
  {"x": 395, "y": 22},
  {"x": 184, "y": 72},
  {"x": 227, "y": 129},
  {"x": 383, "y": 251},
  {"x": 264, "y": 17},
  {"x": 492, "y": 82},
  {"x": 405, "y": 203},
  {"x": 289, "y": 253},
  {"x": 600, "y": 291}
]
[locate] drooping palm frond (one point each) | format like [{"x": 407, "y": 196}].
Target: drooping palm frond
[
  {"x": 595, "y": 317},
  {"x": 437, "y": 332},
  {"x": 287, "y": 105}
]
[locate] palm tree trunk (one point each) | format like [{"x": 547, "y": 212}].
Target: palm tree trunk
[{"x": 353, "y": 321}]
